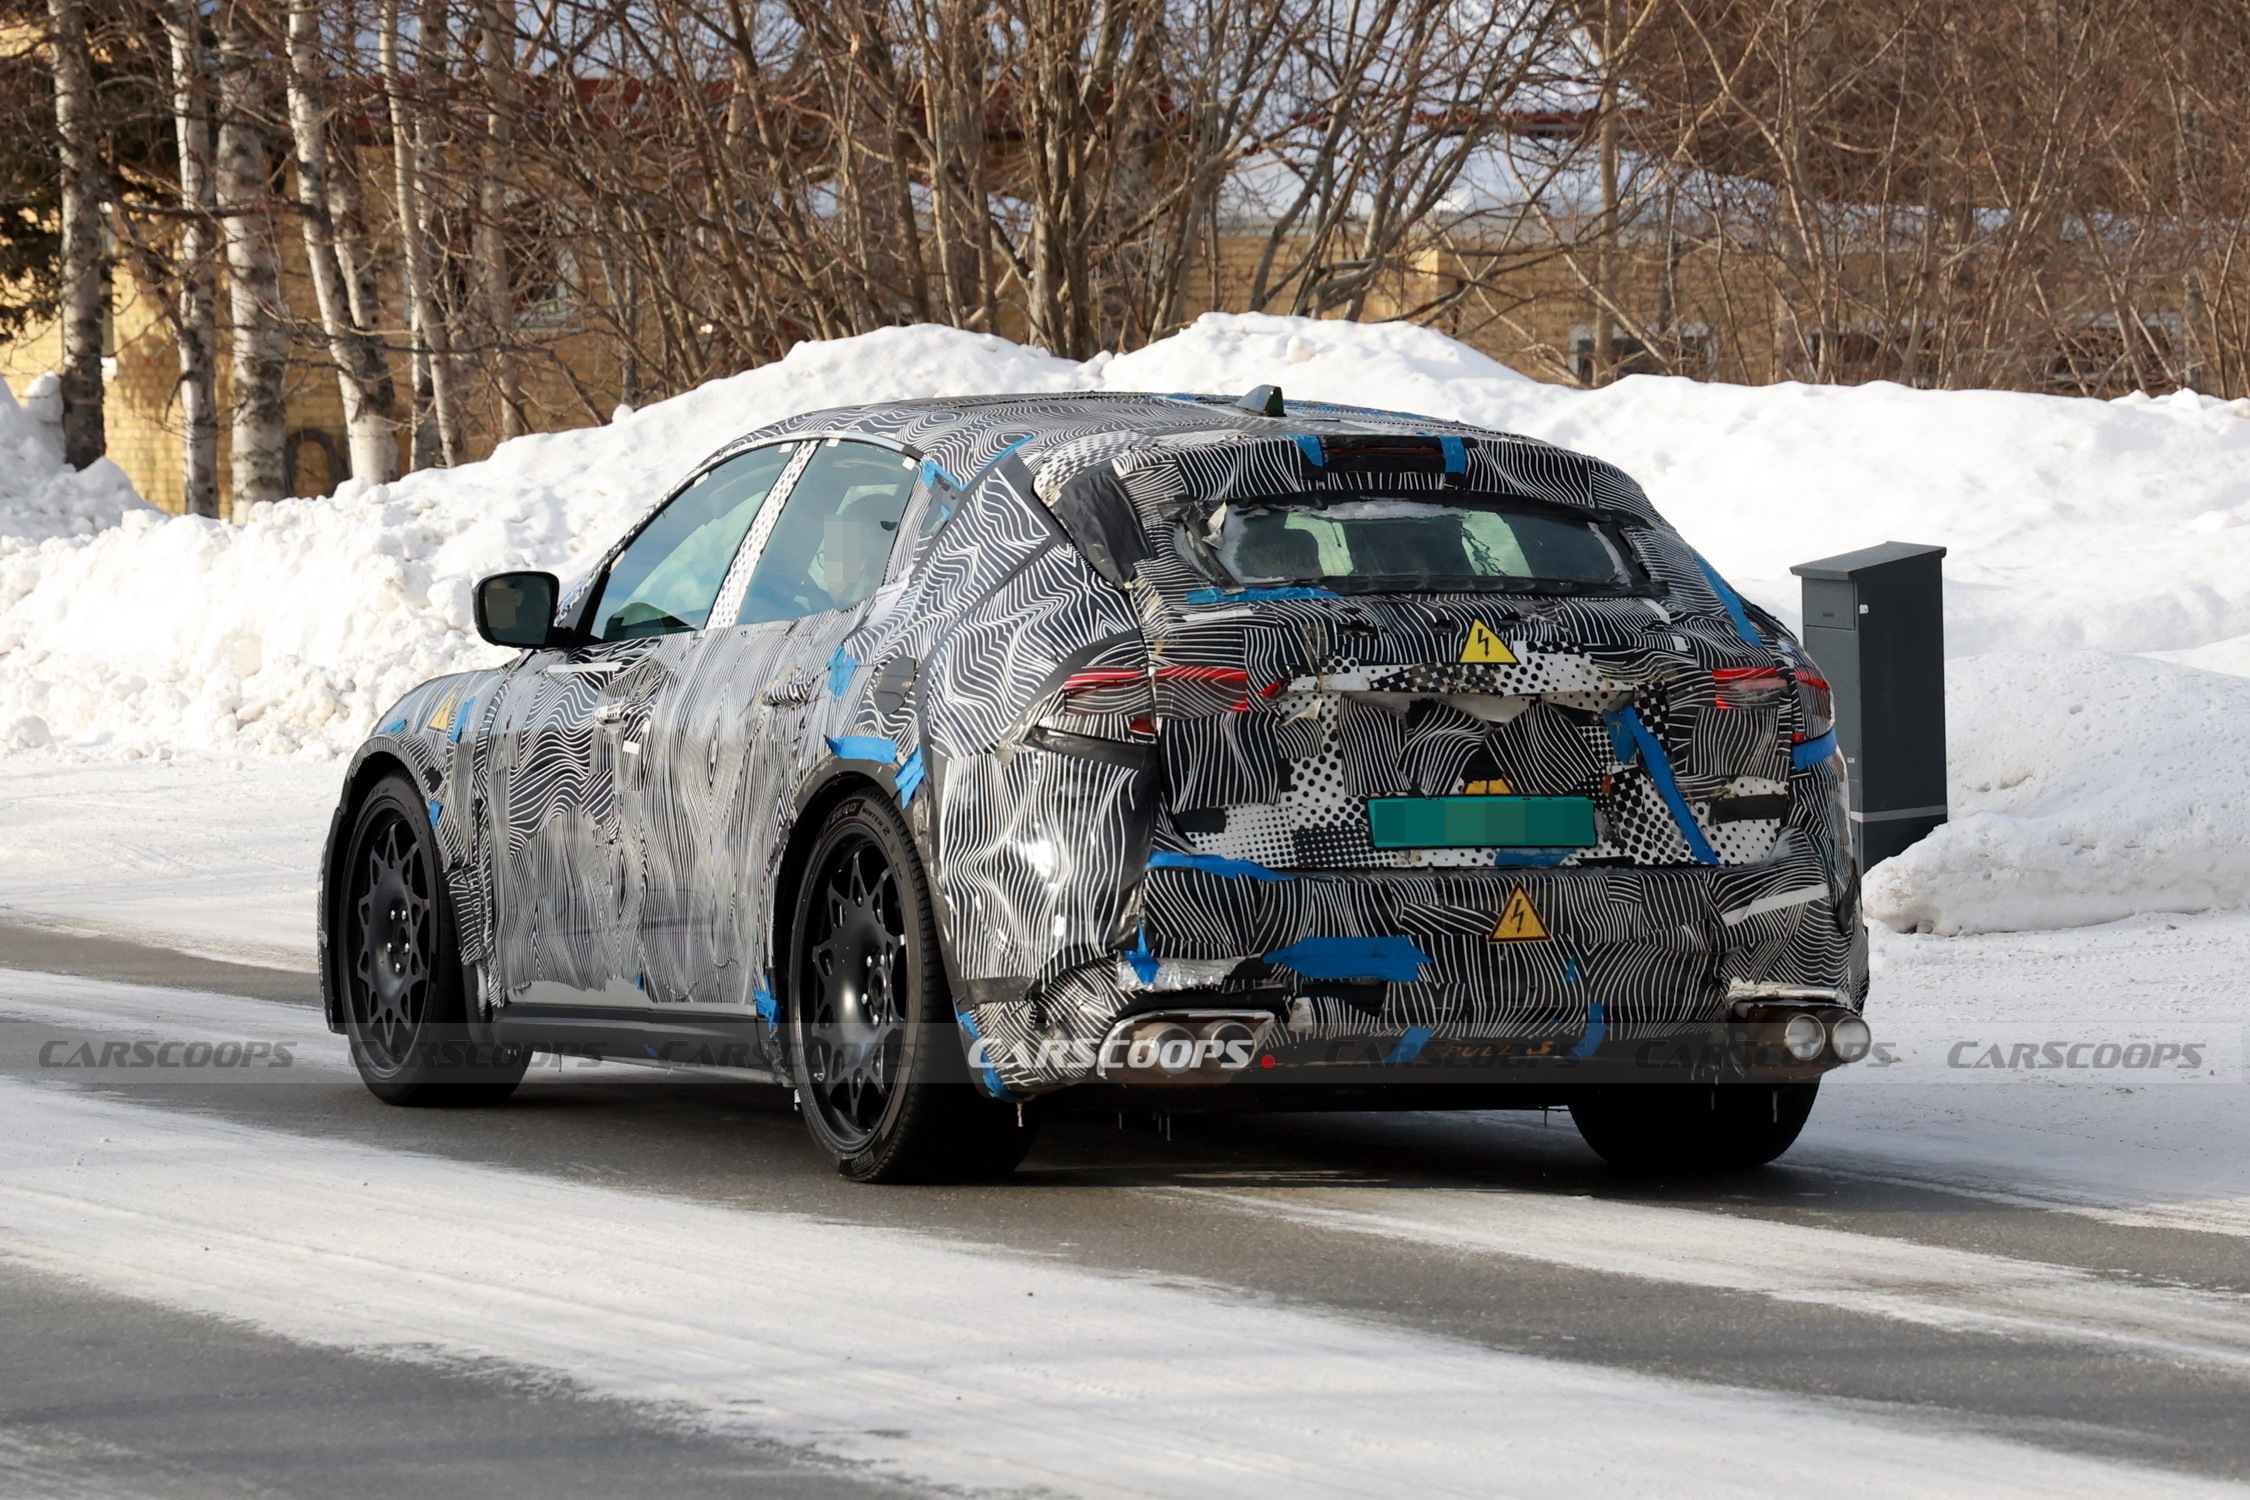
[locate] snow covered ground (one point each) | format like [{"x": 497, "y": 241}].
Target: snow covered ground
[
  {"x": 2062, "y": 1030},
  {"x": 983, "y": 1367},
  {"x": 981, "y": 1370},
  {"x": 209, "y": 855}
]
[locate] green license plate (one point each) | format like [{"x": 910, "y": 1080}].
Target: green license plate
[{"x": 1481, "y": 822}]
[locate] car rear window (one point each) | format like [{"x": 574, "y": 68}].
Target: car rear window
[{"x": 1383, "y": 541}]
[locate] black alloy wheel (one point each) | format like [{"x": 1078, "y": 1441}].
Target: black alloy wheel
[
  {"x": 855, "y": 1023},
  {"x": 1685, "y": 1128},
  {"x": 877, "y": 1060},
  {"x": 405, "y": 992}
]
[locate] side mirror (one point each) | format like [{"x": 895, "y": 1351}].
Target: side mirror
[{"x": 517, "y": 609}]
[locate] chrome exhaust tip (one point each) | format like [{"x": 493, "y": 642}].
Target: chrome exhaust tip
[{"x": 1182, "y": 1048}]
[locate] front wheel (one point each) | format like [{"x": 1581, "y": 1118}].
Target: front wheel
[
  {"x": 872, "y": 1044},
  {"x": 405, "y": 994},
  {"x": 1666, "y": 1128}
]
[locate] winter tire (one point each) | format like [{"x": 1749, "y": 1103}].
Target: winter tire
[
  {"x": 873, "y": 1048},
  {"x": 1674, "y": 1129},
  {"x": 406, "y": 1001}
]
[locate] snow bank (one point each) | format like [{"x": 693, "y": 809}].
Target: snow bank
[
  {"x": 287, "y": 635},
  {"x": 2078, "y": 529},
  {"x": 2123, "y": 526},
  {"x": 40, "y": 495},
  {"x": 2086, "y": 787}
]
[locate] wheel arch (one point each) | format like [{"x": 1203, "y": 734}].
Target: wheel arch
[
  {"x": 369, "y": 767},
  {"x": 813, "y": 807}
]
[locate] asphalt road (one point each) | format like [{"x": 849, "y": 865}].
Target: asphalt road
[{"x": 100, "y": 1396}]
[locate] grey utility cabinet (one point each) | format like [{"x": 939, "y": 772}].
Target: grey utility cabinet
[{"x": 1875, "y": 622}]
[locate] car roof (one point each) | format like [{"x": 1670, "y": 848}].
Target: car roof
[{"x": 964, "y": 433}]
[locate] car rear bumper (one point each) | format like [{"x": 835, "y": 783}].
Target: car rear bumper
[
  {"x": 1486, "y": 950},
  {"x": 1419, "y": 1069},
  {"x": 1437, "y": 978}
]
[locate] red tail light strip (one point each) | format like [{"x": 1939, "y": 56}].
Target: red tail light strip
[{"x": 1746, "y": 687}]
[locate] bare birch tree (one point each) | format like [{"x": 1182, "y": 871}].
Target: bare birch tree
[
  {"x": 258, "y": 341},
  {"x": 84, "y": 255},
  {"x": 362, "y": 377},
  {"x": 438, "y": 435},
  {"x": 196, "y": 317},
  {"x": 496, "y": 298}
]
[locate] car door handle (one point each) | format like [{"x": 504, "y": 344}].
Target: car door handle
[
  {"x": 608, "y": 713},
  {"x": 792, "y": 691}
]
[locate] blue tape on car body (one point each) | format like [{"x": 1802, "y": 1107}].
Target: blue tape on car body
[
  {"x": 1812, "y": 752},
  {"x": 985, "y": 467},
  {"x": 1214, "y": 864},
  {"x": 863, "y": 747},
  {"x": 1660, "y": 771},
  {"x": 1314, "y": 453},
  {"x": 1410, "y": 1045},
  {"x": 1239, "y": 596},
  {"x": 989, "y": 1074},
  {"x": 840, "y": 669},
  {"x": 910, "y": 775},
  {"x": 1734, "y": 607},
  {"x": 1597, "y": 1032},
  {"x": 1143, "y": 961},
  {"x": 1353, "y": 958}
]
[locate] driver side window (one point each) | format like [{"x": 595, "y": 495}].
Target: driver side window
[
  {"x": 832, "y": 542},
  {"x": 668, "y": 577}
]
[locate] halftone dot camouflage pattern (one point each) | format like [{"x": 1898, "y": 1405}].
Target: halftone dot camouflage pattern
[{"x": 616, "y": 822}]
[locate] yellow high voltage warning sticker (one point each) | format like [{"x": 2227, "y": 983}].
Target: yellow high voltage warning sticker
[
  {"x": 1519, "y": 923},
  {"x": 1483, "y": 645}
]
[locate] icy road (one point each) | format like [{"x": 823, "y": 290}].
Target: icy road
[{"x": 258, "y": 1280}]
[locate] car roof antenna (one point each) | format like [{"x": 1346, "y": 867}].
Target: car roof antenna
[{"x": 1265, "y": 401}]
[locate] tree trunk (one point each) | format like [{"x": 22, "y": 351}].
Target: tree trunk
[
  {"x": 362, "y": 379},
  {"x": 77, "y": 132},
  {"x": 1602, "y": 366},
  {"x": 434, "y": 335},
  {"x": 490, "y": 247},
  {"x": 260, "y": 342},
  {"x": 197, "y": 332},
  {"x": 414, "y": 261}
]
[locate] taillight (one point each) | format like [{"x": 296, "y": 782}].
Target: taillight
[
  {"x": 1108, "y": 690},
  {"x": 1199, "y": 692},
  {"x": 1749, "y": 687},
  {"x": 1816, "y": 704},
  {"x": 1166, "y": 692}
]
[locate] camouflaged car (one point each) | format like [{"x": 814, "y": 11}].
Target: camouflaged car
[{"x": 953, "y": 761}]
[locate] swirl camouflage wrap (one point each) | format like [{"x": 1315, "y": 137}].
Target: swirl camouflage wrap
[{"x": 1347, "y": 796}]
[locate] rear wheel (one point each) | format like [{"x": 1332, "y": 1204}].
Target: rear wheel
[
  {"x": 405, "y": 994},
  {"x": 872, "y": 1043},
  {"x": 1672, "y": 1129}
]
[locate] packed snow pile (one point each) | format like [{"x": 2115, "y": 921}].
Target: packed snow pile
[
  {"x": 287, "y": 635},
  {"x": 2086, "y": 787},
  {"x": 2078, "y": 530},
  {"x": 41, "y": 496},
  {"x": 2123, "y": 526}
]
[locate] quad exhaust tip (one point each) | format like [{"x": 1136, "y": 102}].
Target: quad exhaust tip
[
  {"x": 1182, "y": 1048},
  {"x": 1807, "y": 1029}
]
